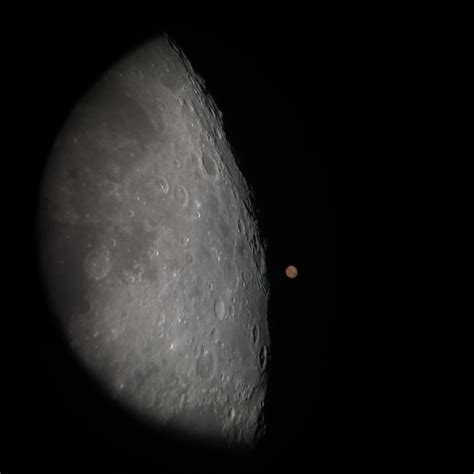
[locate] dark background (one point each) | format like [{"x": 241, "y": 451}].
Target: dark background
[{"x": 278, "y": 87}]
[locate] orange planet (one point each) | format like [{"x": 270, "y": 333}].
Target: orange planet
[{"x": 291, "y": 272}]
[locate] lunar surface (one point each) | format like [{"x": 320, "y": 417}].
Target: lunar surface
[{"x": 150, "y": 251}]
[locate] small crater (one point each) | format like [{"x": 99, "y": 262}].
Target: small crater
[
  {"x": 255, "y": 334},
  {"x": 231, "y": 310},
  {"x": 185, "y": 240},
  {"x": 197, "y": 350},
  {"x": 241, "y": 226},
  {"x": 188, "y": 104},
  {"x": 214, "y": 335},
  {"x": 131, "y": 213},
  {"x": 181, "y": 195},
  {"x": 128, "y": 277},
  {"x": 97, "y": 263},
  {"x": 219, "y": 308},
  {"x": 153, "y": 253},
  {"x": 231, "y": 414},
  {"x": 262, "y": 358},
  {"x": 205, "y": 365},
  {"x": 209, "y": 165},
  {"x": 161, "y": 184},
  {"x": 189, "y": 258}
]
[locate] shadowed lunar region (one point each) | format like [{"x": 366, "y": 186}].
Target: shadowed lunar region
[{"x": 150, "y": 251}]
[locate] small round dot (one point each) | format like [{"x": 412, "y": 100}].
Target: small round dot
[{"x": 291, "y": 272}]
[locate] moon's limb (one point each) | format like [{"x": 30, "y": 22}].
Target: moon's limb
[{"x": 151, "y": 254}]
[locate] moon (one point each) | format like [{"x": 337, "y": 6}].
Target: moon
[{"x": 150, "y": 251}]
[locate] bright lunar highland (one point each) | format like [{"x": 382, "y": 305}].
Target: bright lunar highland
[{"x": 150, "y": 251}]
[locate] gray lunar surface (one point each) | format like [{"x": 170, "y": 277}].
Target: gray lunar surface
[{"x": 150, "y": 251}]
